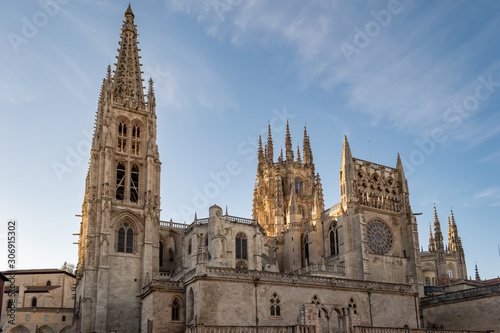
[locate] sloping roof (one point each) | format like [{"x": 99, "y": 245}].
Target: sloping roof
[{"x": 37, "y": 271}]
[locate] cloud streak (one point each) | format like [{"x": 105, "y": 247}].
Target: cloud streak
[{"x": 402, "y": 75}]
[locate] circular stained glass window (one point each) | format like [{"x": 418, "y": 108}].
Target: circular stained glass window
[{"x": 379, "y": 237}]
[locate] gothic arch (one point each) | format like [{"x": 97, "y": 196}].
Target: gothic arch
[
  {"x": 179, "y": 298},
  {"x": 176, "y": 306},
  {"x": 46, "y": 329},
  {"x": 66, "y": 329},
  {"x": 135, "y": 219},
  {"x": 132, "y": 229},
  {"x": 451, "y": 271},
  {"x": 333, "y": 238},
  {"x": 362, "y": 178},
  {"x": 20, "y": 329}
]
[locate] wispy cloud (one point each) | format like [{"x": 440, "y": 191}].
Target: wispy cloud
[
  {"x": 493, "y": 158},
  {"x": 489, "y": 196},
  {"x": 403, "y": 74}
]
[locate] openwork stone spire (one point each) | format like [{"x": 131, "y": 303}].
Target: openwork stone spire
[
  {"x": 128, "y": 89},
  {"x": 269, "y": 146},
  {"x": 260, "y": 156},
  {"x": 288, "y": 145},
  {"x": 308, "y": 158},
  {"x": 432, "y": 244},
  {"x": 438, "y": 235},
  {"x": 454, "y": 242}
]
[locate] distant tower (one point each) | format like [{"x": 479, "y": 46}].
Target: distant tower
[
  {"x": 119, "y": 232},
  {"x": 439, "y": 248},
  {"x": 443, "y": 264},
  {"x": 288, "y": 202},
  {"x": 276, "y": 180}
]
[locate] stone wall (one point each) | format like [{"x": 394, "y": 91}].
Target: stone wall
[{"x": 472, "y": 309}]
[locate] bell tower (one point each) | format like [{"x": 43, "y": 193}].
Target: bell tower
[{"x": 120, "y": 213}]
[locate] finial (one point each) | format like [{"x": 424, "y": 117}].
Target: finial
[
  {"x": 226, "y": 211},
  {"x": 129, "y": 11},
  {"x": 195, "y": 216}
]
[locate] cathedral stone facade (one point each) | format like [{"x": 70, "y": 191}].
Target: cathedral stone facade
[{"x": 292, "y": 266}]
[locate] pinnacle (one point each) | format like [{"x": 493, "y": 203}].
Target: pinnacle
[
  {"x": 288, "y": 144},
  {"x": 129, "y": 11}
]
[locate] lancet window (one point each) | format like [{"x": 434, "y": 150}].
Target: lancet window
[{"x": 125, "y": 238}]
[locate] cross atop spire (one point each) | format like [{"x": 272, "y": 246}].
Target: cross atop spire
[{"x": 127, "y": 81}]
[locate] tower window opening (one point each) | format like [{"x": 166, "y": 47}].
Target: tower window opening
[
  {"x": 134, "y": 184},
  {"x": 136, "y": 140},
  {"x": 120, "y": 181},
  {"x": 122, "y": 137}
]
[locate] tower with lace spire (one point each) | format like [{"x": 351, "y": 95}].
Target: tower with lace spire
[
  {"x": 121, "y": 208},
  {"x": 444, "y": 264},
  {"x": 372, "y": 229},
  {"x": 277, "y": 181}
]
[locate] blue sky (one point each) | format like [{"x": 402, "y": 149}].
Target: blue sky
[{"x": 419, "y": 78}]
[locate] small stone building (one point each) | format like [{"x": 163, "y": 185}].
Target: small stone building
[{"x": 44, "y": 301}]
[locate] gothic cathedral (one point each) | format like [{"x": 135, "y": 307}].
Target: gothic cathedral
[{"x": 292, "y": 265}]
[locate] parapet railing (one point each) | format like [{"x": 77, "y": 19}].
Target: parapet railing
[
  {"x": 334, "y": 208},
  {"x": 366, "y": 329},
  {"x": 251, "y": 329},
  {"x": 171, "y": 224}
]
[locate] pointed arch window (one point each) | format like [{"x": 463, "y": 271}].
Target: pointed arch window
[
  {"x": 315, "y": 301},
  {"x": 120, "y": 181},
  {"x": 298, "y": 186},
  {"x": 134, "y": 183},
  {"x": 33, "y": 302},
  {"x": 241, "y": 246},
  {"x": 189, "y": 246},
  {"x": 125, "y": 238},
  {"x": 136, "y": 139},
  {"x": 122, "y": 137},
  {"x": 176, "y": 305},
  {"x": 275, "y": 308},
  {"x": 427, "y": 282},
  {"x": 334, "y": 239},
  {"x": 161, "y": 254}
]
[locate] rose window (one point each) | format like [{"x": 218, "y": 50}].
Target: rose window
[{"x": 379, "y": 237}]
